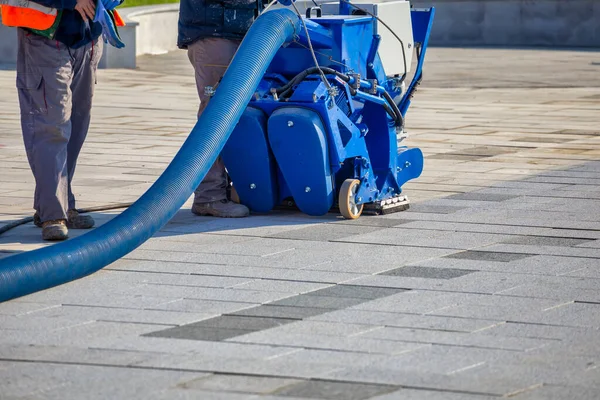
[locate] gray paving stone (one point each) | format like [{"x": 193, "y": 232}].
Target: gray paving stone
[
  {"x": 187, "y": 394},
  {"x": 220, "y": 328},
  {"x": 55, "y": 381},
  {"x": 481, "y": 197},
  {"x": 488, "y": 256},
  {"x": 324, "y": 342},
  {"x": 553, "y": 392},
  {"x": 335, "y": 390},
  {"x": 358, "y": 292},
  {"x": 199, "y": 333},
  {"x": 534, "y": 330},
  {"x": 202, "y": 306},
  {"x": 324, "y": 328},
  {"x": 326, "y": 232},
  {"x": 545, "y": 241},
  {"x": 417, "y": 302},
  {"x": 456, "y": 339},
  {"x": 275, "y": 311},
  {"x": 324, "y": 302},
  {"x": 415, "y": 394},
  {"x": 239, "y": 383},
  {"x": 426, "y": 272}
]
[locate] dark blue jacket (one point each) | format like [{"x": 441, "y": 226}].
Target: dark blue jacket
[
  {"x": 199, "y": 19},
  {"x": 71, "y": 29}
]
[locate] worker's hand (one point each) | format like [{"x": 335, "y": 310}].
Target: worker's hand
[
  {"x": 87, "y": 9},
  {"x": 110, "y": 4}
]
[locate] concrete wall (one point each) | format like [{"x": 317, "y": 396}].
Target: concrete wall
[
  {"x": 148, "y": 30},
  {"x": 553, "y": 23}
]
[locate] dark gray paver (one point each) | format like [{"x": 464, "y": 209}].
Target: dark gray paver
[
  {"x": 198, "y": 333},
  {"x": 220, "y": 328},
  {"x": 335, "y": 390},
  {"x": 354, "y": 291},
  {"x": 269, "y": 310},
  {"x": 545, "y": 241},
  {"x": 488, "y": 256},
  {"x": 427, "y": 272},
  {"x": 239, "y": 383}
]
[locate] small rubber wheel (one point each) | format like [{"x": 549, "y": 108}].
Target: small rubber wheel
[
  {"x": 347, "y": 202},
  {"x": 233, "y": 195}
]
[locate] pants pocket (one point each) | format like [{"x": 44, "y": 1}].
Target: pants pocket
[{"x": 32, "y": 93}]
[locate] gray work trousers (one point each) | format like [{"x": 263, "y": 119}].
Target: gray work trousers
[
  {"x": 55, "y": 86},
  {"x": 210, "y": 58}
]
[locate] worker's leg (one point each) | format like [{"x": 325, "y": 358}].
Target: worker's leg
[
  {"x": 210, "y": 58},
  {"x": 44, "y": 71},
  {"x": 85, "y": 63}
]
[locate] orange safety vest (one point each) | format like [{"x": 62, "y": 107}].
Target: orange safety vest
[{"x": 27, "y": 14}]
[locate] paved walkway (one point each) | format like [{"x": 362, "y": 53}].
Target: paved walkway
[{"x": 487, "y": 287}]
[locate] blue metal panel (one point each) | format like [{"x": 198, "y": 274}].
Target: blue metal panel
[
  {"x": 299, "y": 143},
  {"x": 410, "y": 164},
  {"x": 422, "y": 22},
  {"x": 250, "y": 163}
]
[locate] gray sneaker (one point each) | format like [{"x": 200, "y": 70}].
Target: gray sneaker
[
  {"x": 55, "y": 230},
  {"x": 223, "y": 208},
  {"x": 78, "y": 221}
]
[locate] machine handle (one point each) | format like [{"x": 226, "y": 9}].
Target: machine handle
[{"x": 309, "y": 12}]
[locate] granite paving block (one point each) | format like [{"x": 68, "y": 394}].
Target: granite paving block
[
  {"x": 324, "y": 232},
  {"x": 536, "y": 330},
  {"x": 353, "y": 291},
  {"x": 324, "y": 302},
  {"x": 416, "y": 394},
  {"x": 335, "y": 390},
  {"x": 198, "y": 333},
  {"x": 377, "y": 221},
  {"x": 325, "y": 328},
  {"x": 202, "y": 306},
  {"x": 573, "y": 314},
  {"x": 57, "y": 381},
  {"x": 488, "y": 256},
  {"x": 275, "y": 311},
  {"x": 331, "y": 357},
  {"x": 192, "y": 394},
  {"x": 426, "y": 272},
  {"x": 417, "y": 301},
  {"x": 270, "y": 285},
  {"x": 456, "y": 339},
  {"x": 220, "y": 328},
  {"x": 481, "y": 197},
  {"x": 124, "y": 315},
  {"x": 555, "y": 392},
  {"x": 324, "y": 342},
  {"x": 238, "y": 383},
  {"x": 537, "y": 265},
  {"x": 545, "y": 241}
]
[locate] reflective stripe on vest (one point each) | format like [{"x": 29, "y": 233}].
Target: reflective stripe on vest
[{"x": 27, "y": 14}]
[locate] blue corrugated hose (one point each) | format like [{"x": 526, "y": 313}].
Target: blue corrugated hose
[{"x": 41, "y": 269}]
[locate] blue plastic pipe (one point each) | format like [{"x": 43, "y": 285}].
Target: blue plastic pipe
[{"x": 41, "y": 269}]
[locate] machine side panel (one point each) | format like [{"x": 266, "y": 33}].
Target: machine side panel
[
  {"x": 250, "y": 162},
  {"x": 299, "y": 143}
]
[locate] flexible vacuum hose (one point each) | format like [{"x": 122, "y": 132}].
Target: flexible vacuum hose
[{"x": 41, "y": 269}]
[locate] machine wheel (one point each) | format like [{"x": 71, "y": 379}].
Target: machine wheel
[{"x": 348, "y": 207}]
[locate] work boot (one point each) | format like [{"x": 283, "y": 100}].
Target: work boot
[
  {"x": 78, "y": 221},
  {"x": 223, "y": 208},
  {"x": 37, "y": 221},
  {"x": 55, "y": 230}
]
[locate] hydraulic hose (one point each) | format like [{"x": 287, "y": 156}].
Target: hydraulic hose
[{"x": 29, "y": 272}]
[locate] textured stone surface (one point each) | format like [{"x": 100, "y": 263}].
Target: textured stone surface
[{"x": 486, "y": 287}]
